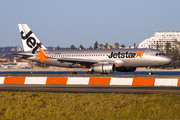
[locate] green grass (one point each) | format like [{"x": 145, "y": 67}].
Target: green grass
[{"x": 61, "y": 106}]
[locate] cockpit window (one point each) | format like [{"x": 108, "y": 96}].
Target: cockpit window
[{"x": 160, "y": 54}]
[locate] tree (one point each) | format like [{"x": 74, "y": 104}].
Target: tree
[
  {"x": 116, "y": 45},
  {"x": 81, "y": 47},
  {"x": 135, "y": 45},
  {"x": 129, "y": 47},
  {"x": 175, "y": 54},
  {"x": 105, "y": 46},
  {"x": 177, "y": 44},
  {"x": 58, "y": 48},
  {"x": 157, "y": 46},
  {"x": 111, "y": 46},
  {"x": 90, "y": 47},
  {"x": 168, "y": 49},
  {"x": 101, "y": 46},
  {"x": 123, "y": 46},
  {"x": 72, "y": 47},
  {"x": 96, "y": 45}
]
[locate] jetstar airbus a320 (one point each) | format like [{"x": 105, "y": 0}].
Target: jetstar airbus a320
[{"x": 97, "y": 60}]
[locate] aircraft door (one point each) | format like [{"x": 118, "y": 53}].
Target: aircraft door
[{"x": 147, "y": 52}]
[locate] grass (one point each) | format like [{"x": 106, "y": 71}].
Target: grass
[{"x": 44, "y": 105}]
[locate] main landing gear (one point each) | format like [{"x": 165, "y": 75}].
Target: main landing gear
[
  {"x": 90, "y": 71},
  {"x": 73, "y": 72},
  {"x": 150, "y": 71}
]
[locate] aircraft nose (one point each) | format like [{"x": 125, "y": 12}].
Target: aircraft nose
[{"x": 167, "y": 60}]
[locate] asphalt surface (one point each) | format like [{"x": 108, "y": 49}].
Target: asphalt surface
[{"x": 92, "y": 89}]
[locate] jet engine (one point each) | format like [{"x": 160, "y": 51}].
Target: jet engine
[
  {"x": 125, "y": 69},
  {"x": 103, "y": 68}
]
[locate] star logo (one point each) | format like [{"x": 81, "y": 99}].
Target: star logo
[
  {"x": 139, "y": 54},
  {"x": 42, "y": 55}
]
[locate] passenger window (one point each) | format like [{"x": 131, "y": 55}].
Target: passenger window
[
  {"x": 160, "y": 53},
  {"x": 156, "y": 54}
]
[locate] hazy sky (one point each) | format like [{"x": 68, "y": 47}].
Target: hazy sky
[{"x": 67, "y": 22}]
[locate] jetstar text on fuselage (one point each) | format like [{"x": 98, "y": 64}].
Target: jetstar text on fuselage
[{"x": 122, "y": 55}]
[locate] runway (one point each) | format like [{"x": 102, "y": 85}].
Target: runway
[
  {"x": 92, "y": 89},
  {"x": 84, "y": 72}
]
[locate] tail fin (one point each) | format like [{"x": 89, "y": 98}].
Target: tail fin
[{"x": 29, "y": 40}]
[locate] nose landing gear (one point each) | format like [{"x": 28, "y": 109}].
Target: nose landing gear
[{"x": 150, "y": 71}]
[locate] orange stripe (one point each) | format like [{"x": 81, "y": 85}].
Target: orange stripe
[
  {"x": 178, "y": 84},
  {"x": 14, "y": 80},
  {"x": 99, "y": 81},
  {"x": 143, "y": 81},
  {"x": 56, "y": 80}
]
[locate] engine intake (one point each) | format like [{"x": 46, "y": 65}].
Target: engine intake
[{"x": 104, "y": 68}]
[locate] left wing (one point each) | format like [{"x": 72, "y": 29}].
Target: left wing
[{"x": 83, "y": 61}]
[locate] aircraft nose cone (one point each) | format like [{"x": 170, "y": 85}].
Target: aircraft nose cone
[{"x": 168, "y": 60}]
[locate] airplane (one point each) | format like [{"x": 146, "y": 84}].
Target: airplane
[{"x": 96, "y": 60}]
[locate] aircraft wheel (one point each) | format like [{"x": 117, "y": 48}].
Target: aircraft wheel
[
  {"x": 73, "y": 72},
  {"x": 150, "y": 73},
  {"x": 90, "y": 72},
  {"x": 104, "y": 73}
]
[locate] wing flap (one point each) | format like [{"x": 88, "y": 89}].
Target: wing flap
[
  {"x": 84, "y": 61},
  {"x": 74, "y": 60}
]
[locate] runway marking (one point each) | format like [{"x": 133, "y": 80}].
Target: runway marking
[
  {"x": 178, "y": 84},
  {"x": 14, "y": 80},
  {"x": 121, "y": 81},
  {"x": 143, "y": 81},
  {"x": 2, "y": 80},
  {"x": 78, "y": 80},
  {"x": 165, "y": 82},
  {"x": 35, "y": 80},
  {"x": 56, "y": 80},
  {"x": 92, "y": 81},
  {"x": 99, "y": 81}
]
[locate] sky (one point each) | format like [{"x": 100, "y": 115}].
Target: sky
[{"x": 83, "y": 22}]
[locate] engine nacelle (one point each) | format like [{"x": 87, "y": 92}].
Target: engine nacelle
[
  {"x": 125, "y": 69},
  {"x": 104, "y": 68}
]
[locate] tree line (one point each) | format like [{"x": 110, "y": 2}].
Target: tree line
[{"x": 98, "y": 46}]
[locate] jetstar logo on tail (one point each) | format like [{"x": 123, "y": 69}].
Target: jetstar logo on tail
[
  {"x": 31, "y": 41},
  {"x": 42, "y": 55},
  {"x": 126, "y": 55}
]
